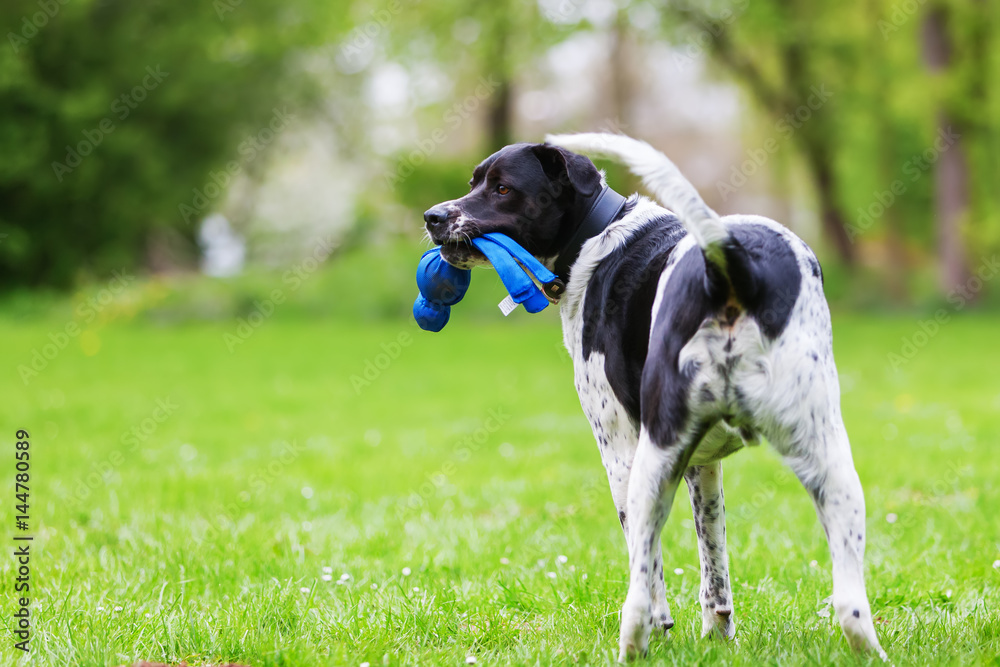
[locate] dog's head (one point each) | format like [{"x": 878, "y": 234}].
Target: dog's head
[{"x": 534, "y": 193}]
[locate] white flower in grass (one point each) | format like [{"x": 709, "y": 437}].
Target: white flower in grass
[
  {"x": 470, "y": 660},
  {"x": 996, "y": 565},
  {"x": 550, "y": 575},
  {"x": 119, "y": 608},
  {"x": 813, "y": 563},
  {"x": 947, "y": 593},
  {"x": 562, "y": 560},
  {"x": 345, "y": 577},
  {"x": 891, "y": 517},
  {"x": 374, "y": 587},
  {"x": 327, "y": 577},
  {"x": 679, "y": 571},
  {"x": 327, "y": 569},
  {"x": 584, "y": 576},
  {"x": 304, "y": 589},
  {"x": 364, "y": 664},
  {"x": 100, "y": 609},
  {"x": 506, "y": 561},
  {"x": 416, "y": 589},
  {"x": 406, "y": 571}
]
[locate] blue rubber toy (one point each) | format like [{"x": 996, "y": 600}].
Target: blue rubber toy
[{"x": 442, "y": 285}]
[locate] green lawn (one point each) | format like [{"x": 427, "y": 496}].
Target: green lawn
[{"x": 459, "y": 502}]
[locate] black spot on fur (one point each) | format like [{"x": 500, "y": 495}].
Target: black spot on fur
[
  {"x": 816, "y": 268},
  {"x": 694, "y": 291},
  {"x": 617, "y": 310},
  {"x": 765, "y": 275}
]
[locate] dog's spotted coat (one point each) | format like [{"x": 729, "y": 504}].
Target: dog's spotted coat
[{"x": 691, "y": 338}]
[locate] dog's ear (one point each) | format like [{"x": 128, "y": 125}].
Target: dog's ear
[{"x": 561, "y": 165}]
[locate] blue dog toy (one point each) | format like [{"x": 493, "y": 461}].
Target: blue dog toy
[{"x": 442, "y": 285}]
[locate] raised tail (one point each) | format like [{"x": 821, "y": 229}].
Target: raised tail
[{"x": 664, "y": 181}]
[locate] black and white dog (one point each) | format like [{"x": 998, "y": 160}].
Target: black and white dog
[{"x": 692, "y": 335}]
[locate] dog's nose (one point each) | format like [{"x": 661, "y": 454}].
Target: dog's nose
[{"x": 436, "y": 216}]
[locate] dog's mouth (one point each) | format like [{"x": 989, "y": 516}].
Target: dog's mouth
[{"x": 462, "y": 254}]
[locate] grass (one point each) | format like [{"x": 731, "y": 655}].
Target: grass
[{"x": 458, "y": 499}]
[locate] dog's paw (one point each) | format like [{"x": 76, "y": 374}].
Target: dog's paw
[
  {"x": 634, "y": 638},
  {"x": 661, "y": 624},
  {"x": 719, "y": 622},
  {"x": 629, "y": 651}
]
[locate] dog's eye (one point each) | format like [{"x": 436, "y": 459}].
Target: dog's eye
[{"x": 503, "y": 189}]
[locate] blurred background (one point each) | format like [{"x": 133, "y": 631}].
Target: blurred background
[{"x": 198, "y": 146}]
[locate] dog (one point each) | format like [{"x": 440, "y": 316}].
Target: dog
[{"x": 692, "y": 336}]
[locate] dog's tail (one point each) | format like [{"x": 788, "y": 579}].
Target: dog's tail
[{"x": 664, "y": 181}]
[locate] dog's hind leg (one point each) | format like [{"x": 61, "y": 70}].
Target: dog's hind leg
[
  {"x": 656, "y": 474},
  {"x": 709, "y": 508},
  {"x": 825, "y": 467}
]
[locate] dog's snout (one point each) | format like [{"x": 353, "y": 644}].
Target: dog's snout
[{"x": 436, "y": 216}]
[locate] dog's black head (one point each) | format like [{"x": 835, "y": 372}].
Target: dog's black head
[{"x": 534, "y": 193}]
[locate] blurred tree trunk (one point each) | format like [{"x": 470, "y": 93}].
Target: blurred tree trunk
[
  {"x": 501, "y": 116},
  {"x": 500, "y": 105},
  {"x": 818, "y": 141},
  {"x": 951, "y": 175},
  {"x": 782, "y": 100},
  {"x": 622, "y": 71},
  {"x": 832, "y": 220},
  {"x": 881, "y": 83}
]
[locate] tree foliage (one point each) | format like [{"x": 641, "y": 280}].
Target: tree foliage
[
  {"x": 113, "y": 113},
  {"x": 874, "y": 148}
]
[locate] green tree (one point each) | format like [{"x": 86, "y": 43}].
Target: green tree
[
  {"x": 113, "y": 113},
  {"x": 884, "y": 115}
]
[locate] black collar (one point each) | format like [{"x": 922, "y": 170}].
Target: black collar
[{"x": 606, "y": 207}]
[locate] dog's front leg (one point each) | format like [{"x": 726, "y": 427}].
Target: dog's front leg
[
  {"x": 709, "y": 508},
  {"x": 656, "y": 474}
]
